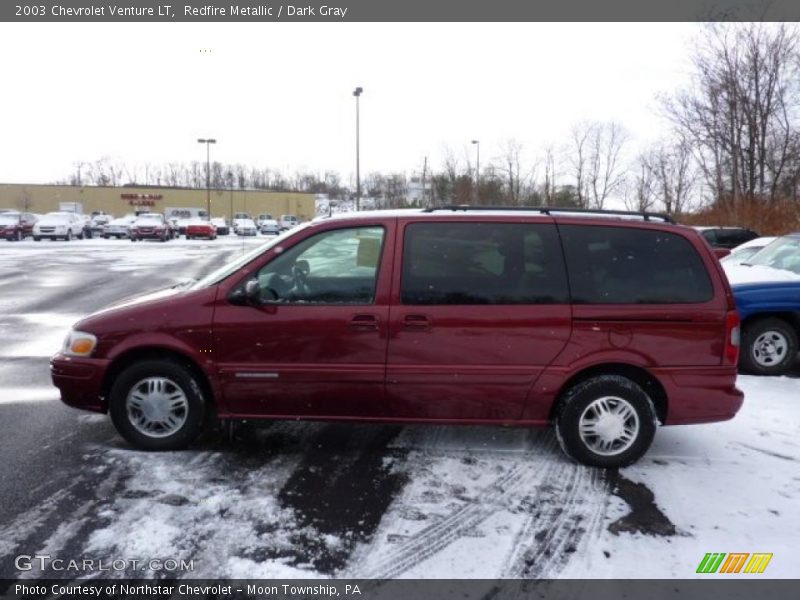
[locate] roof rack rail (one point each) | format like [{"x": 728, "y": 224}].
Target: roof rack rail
[{"x": 546, "y": 210}]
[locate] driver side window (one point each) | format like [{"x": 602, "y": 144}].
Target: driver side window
[{"x": 333, "y": 267}]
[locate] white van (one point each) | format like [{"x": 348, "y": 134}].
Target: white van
[{"x": 288, "y": 222}]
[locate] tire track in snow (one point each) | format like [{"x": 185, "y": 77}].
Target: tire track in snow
[
  {"x": 571, "y": 510},
  {"x": 436, "y": 537}
]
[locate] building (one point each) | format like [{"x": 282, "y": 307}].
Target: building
[
  {"x": 418, "y": 191},
  {"x": 119, "y": 201}
]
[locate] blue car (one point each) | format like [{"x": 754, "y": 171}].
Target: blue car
[{"x": 767, "y": 293}]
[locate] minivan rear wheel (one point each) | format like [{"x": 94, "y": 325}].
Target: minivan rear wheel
[
  {"x": 606, "y": 421},
  {"x": 157, "y": 405}
]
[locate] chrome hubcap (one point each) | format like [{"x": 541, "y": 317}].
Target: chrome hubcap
[
  {"x": 770, "y": 348},
  {"x": 609, "y": 425},
  {"x": 157, "y": 407}
]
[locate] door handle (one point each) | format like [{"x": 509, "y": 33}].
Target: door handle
[
  {"x": 364, "y": 323},
  {"x": 416, "y": 322}
]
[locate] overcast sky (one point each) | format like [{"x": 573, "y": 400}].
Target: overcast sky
[{"x": 280, "y": 94}]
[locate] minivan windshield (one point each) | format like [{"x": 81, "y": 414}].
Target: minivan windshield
[
  {"x": 783, "y": 253},
  {"x": 227, "y": 270}
]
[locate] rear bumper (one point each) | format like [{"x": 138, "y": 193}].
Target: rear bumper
[
  {"x": 80, "y": 381},
  {"x": 700, "y": 395}
]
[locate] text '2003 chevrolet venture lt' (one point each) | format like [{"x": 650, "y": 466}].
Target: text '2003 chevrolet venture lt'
[{"x": 603, "y": 324}]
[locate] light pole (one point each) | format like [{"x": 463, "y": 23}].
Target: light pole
[
  {"x": 208, "y": 143},
  {"x": 230, "y": 182},
  {"x": 478, "y": 171},
  {"x": 357, "y": 93}
]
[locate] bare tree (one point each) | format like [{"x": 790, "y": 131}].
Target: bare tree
[
  {"x": 550, "y": 175},
  {"x": 740, "y": 111},
  {"x": 640, "y": 194},
  {"x": 606, "y": 175},
  {"x": 509, "y": 167},
  {"x": 579, "y": 151},
  {"x": 595, "y": 160}
]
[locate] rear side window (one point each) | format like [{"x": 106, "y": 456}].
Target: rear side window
[
  {"x": 482, "y": 263},
  {"x": 622, "y": 265}
]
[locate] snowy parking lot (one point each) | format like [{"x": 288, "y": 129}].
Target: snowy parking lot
[{"x": 302, "y": 499}]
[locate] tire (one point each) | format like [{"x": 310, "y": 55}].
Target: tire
[
  {"x": 133, "y": 239},
  {"x": 769, "y": 347},
  {"x": 81, "y": 236},
  {"x": 627, "y": 406},
  {"x": 131, "y": 388},
  {"x": 37, "y": 239}
]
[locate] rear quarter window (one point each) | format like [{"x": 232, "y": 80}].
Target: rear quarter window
[{"x": 624, "y": 265}]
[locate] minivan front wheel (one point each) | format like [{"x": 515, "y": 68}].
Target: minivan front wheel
[
  {"x": 606, "y": 421},
  {"x": 157, "y": 405}
]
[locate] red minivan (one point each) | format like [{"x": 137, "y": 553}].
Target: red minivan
[{"x": 604, "y": 324}]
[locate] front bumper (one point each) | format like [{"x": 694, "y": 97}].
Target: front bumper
[
  {"x": 149, "y": 235},
  {"x": 80, "y": 381}
]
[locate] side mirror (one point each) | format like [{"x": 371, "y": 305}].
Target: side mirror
[
  {"x": 252, "y": 292},
  {"x": 249, "y": 295}
]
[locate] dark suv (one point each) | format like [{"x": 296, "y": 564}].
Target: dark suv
[
  {"x": 727, "y": 237},
  {"x": 603, "y": 324},
  {"x": 16, "y": 226}
]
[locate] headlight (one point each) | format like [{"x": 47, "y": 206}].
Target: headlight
[{"x": 79, "y": 343}]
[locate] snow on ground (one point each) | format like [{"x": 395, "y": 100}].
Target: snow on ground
[{"x": 301, "y": 499}]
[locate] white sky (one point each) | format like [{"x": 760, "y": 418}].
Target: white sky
[{"x": 280, "y": 94}]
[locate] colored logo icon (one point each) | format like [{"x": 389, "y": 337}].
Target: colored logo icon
[{"x": 735, "y": 562}]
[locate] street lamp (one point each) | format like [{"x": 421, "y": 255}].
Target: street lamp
[
  {"x": 208, "y": 143},
  {"x": 357, "y": 93},
  {"x": 478, "y": 171},
  {"x": 230, "y": 182}
]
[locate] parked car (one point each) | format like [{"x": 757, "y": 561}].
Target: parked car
[
  {"x": 245, "y": 227},
  {"x": 86, "y": 220},
  {"x": 603, "y": 327},
  {"x": 221, "y": 225},
  {"x": 263, "y": 217},
  {"x": 198, "y": 228},
  {"x": 16, "y": 226},
  {"x": 55, "y": 225},
  {"x": 770, "y": 313},
  {"x": 726, "y": 237},
  {"x": 239, "y": 218},
  {"x": 119, "y": 228},
  {"x": 150, "y": 226},
  {"x": 180, "y": 225},
  {"x": 777, "y": 261},
  {"x": 744, "y": 251},
  {"x": 269, "y": 227},
  {"x": 287, "y": 222},
  {"x": 99, "y": 222}
]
